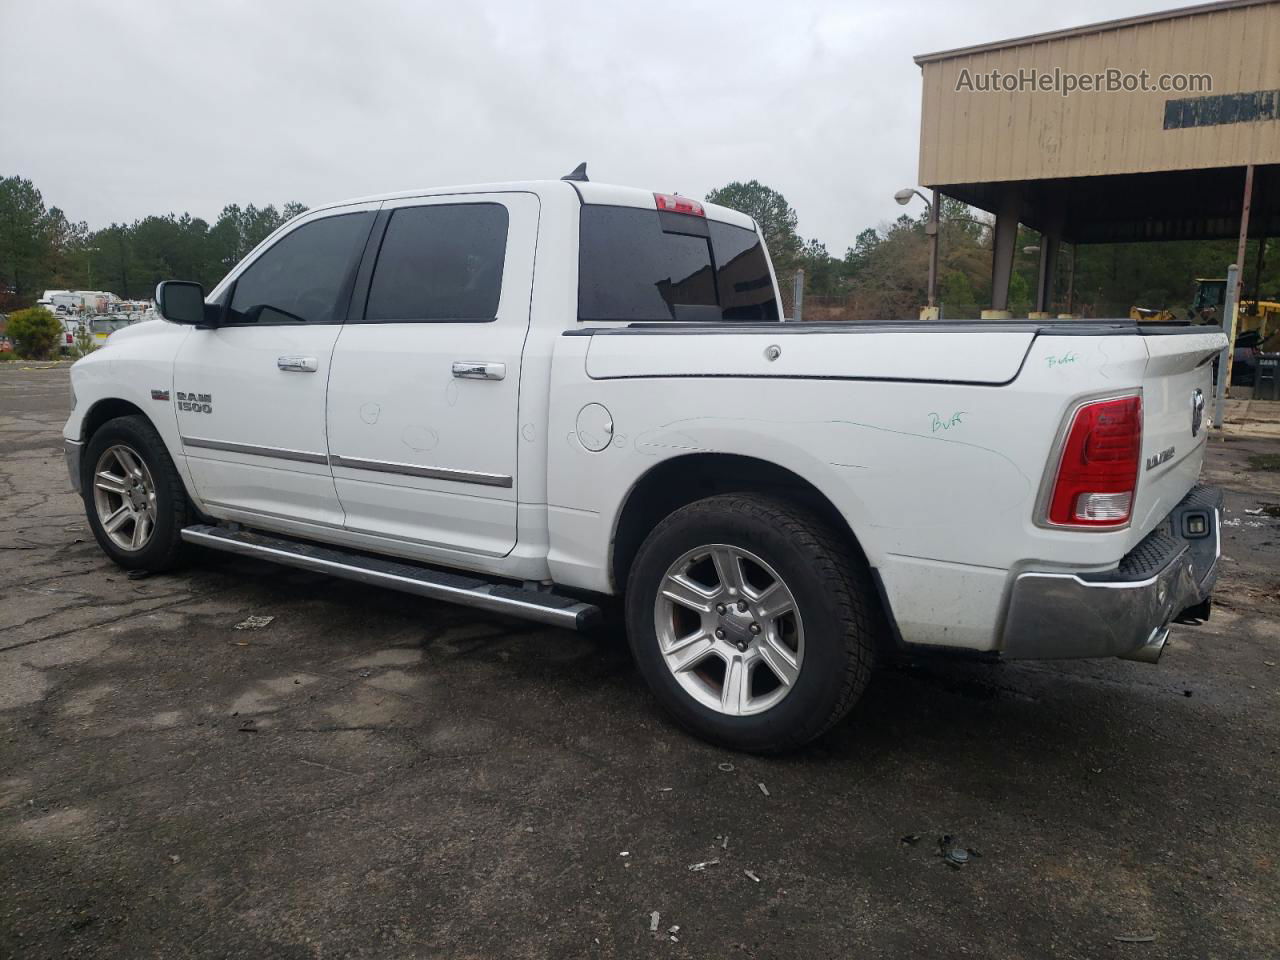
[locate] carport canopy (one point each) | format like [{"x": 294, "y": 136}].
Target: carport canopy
[
  {"x": 1201, "y": 204},
  {"x": 1178, "y": 140}
]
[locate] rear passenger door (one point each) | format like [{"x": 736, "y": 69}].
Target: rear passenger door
[{"x": 424, "y": 391}]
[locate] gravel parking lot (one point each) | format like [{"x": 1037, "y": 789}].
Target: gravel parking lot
[{"x": 376, "y": 775}]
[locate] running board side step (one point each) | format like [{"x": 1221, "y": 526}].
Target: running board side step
[{"x": 551, "y": 608}]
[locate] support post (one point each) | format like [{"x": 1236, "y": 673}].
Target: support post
[
  {"x": 931, "y": 228},
  {"x": 1048, "y": 269},
  {"x": 797, "y": 296},
  {"x": 1258, "y": 263},
  {"x": 1224, "y": 358},
  {"x": 1257, "y": 285},
  {"x": 1004, "y": 240},
  {"x": 1234, "y": 287},
  {"x": 1050, "y": 240},
  {"x": 1261, "y": 261},
  {"x": 1071, "y": 280}
]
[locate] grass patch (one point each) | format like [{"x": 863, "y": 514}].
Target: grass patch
[{"x": 1264, "y": 461}]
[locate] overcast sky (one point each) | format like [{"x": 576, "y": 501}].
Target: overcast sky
[{"x": 125, "y": 108}]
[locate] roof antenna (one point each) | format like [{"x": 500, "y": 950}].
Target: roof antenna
[{"x": 579, "y": 173}]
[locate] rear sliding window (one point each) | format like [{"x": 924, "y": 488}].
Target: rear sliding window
[{"x": 646, "y": 265}]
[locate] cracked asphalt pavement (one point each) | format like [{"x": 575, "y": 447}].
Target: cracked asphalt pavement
[{"x": 377, "y": 775}]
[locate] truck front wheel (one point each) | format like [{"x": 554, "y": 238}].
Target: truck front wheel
[
  {"x": 751, "y": 622},
  {"x": 133, "y": 496}
]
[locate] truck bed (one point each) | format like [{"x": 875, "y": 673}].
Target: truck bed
[{"x": 934, "y": 440}]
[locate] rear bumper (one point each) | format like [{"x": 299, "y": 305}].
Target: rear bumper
[
  {"x": 71, "y": 450},
  {"x": 1126, "y": 612}
]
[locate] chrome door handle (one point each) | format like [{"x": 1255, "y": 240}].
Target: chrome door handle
[
  {"x": 479, "y": 370},
  {"x": 297, "y": 364}
]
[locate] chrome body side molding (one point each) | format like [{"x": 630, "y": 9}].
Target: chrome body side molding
[
  {"x": 300, "y": 456},
  {"x": 352, "y": 463},
  {"x": 413, "y": 470}
]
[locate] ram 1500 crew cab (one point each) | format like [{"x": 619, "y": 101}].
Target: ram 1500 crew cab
[{"x": 528, "y": 396}]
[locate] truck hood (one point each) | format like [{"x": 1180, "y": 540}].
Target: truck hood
[{"x": 145, "y": 328}]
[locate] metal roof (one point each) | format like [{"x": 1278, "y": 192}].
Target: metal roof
[{"x": 1102, "y": 27}]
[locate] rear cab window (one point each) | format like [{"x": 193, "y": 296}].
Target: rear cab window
[{"x": 637, "y": 265}]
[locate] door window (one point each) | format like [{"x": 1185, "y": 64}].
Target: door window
[
  {"x": 440, "y": 263},
  {"x": 300, "y": 277}
]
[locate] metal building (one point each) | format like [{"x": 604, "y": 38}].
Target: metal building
[{"x": 1159, "y": 127}]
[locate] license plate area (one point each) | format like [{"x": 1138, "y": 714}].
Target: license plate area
[{"x": 1196, "y": 521}]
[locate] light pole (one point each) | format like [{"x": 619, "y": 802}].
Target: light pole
[
  {"x": 89, "y": 252},
  {"x": 903, "y": 197},
  {"x": 1071, "y": 270}
]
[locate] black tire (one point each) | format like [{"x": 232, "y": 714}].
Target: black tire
[
  {"x": 163, "y": 547},
  {"x": 832, "y": 591}
]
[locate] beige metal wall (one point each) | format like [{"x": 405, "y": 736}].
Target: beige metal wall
[{"x": 972, "y": 137}]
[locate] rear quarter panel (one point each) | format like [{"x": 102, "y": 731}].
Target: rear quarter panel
[{"x": 938, "y": 478}]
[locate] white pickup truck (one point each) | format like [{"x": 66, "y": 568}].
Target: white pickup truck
[{"x": 529, "y": 396}]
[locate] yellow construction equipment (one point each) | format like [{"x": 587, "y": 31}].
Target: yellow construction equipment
[
  {"x": 1210, "y": 298},
  {"x": 1148, "y": 315}
]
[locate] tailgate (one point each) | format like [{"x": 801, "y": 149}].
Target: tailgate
[{"x": 1177, "y": 399}]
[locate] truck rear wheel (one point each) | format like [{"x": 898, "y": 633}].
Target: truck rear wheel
[
  {"x": 133, "y": 496},
  {"x": 751, "y": 622}
]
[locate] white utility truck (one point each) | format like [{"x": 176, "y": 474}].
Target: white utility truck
[{"x": 526, "y": 397}]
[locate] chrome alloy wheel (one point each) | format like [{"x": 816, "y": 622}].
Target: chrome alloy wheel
[
  {"x": 729, "y": 630},
  {"x": 125, "y": 497}
]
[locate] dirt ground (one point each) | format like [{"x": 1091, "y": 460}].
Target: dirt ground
[{"x": 375, "y": 775}]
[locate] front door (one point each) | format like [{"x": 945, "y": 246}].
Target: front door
[
  {"x": 250, "y": 393},
  {"x": 424, "y": 393}
]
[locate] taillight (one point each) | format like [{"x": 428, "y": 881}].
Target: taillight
[
  {"x": 675, "y": 204},
  {"x": 1098, "y": 472}
]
